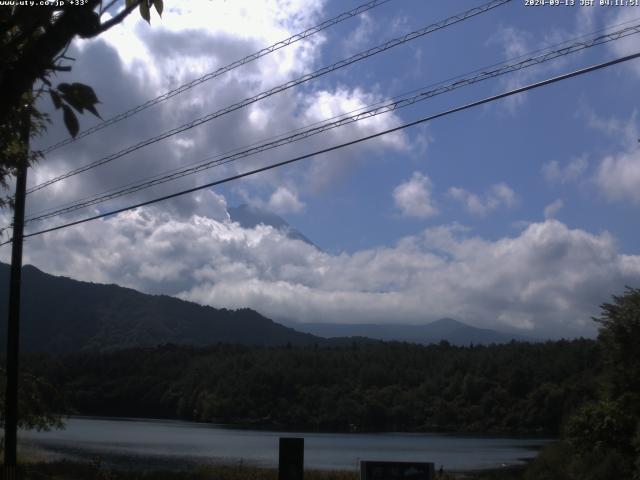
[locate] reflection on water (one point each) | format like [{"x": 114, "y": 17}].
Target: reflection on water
[{"x": 172, "y": 444}]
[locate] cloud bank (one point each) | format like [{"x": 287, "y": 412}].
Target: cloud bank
[{"x": 548, "y": 280}]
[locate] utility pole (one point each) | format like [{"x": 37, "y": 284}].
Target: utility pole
[{"x": 13, "y": 324}]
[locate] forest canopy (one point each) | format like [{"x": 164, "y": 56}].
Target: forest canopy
[{"x": 513, "y": 388}]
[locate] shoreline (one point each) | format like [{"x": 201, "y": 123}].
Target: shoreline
[
  {"x": 96, "y": 468},
  {"x": 173, "y": 445},
  {"x": 270, "y": 427},
  {"x": 273, "y": 427},
  {"x": 134, "y": 464}
]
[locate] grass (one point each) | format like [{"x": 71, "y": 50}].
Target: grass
[
  {"x": 35, "y": 467},
  {"x": 507, "y": 473},
  {"x": 69, "y": 470},
  {"x": 73, "y": 470}
]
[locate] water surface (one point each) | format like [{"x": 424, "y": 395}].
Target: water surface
[{"x": 174, "y": 444}]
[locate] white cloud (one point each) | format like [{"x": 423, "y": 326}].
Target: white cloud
[
  {"x": 134, "y": 62},
  {"x": 513, "y": 43},
  {"x": 283, "y": 200},
  {"x": 623, "y": 132},
  {"x": 413, "y": 197},
  {"x": 585, "y": 21},
  {"x": 553, "y": 208},
  {"x": 548, "y": 279},
  {"x": 361, "y": 35},
  {"x": 571, "y": 172},
  {"x": 497, "y": 196},
  {"x": 618, "y": 176},
  {"x": 501, "y": 194},
  {"x": 195, "y": 27},
  {"x": 628, "y": 45},
  {"x": 323, "y": 104}
]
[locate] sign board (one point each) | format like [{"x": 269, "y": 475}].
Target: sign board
[
  {"x": 397, "y": 471},
  {"x": 291, "y": 459}
]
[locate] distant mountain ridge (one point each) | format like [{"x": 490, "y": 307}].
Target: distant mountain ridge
[
  {"x": 453, "y": 331},
  {"x": 250, "y": 216},
  {"x": 62, "y": 315}
]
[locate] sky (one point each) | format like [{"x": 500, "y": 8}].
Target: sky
[{"x": 516, "y": 215}]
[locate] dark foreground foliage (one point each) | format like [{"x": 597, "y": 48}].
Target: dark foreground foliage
[
  {"x": 95, "y": 471},
  {"x": 601, "y": 440},
  {"x": 518, "y": 388},
  {"x": 73, "y": 470}
]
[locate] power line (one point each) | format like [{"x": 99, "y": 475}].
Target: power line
[
  {"x": 183, "y": 171},
  {"x": 493, "y": 98},
  {"x": 220, "y": 71},
  {"x": 378, "y": 109},
  {"x": 292, "y": 83},
  {"x": 342, "y": 63},
  {"x": 360, "y": 109}
]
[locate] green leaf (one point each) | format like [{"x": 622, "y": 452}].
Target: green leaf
[
  {"x": 130, "y": 3},
  {"x": 69, "y": 96},
  {"x": 93, "y": 110},
  {"x": 70, "y": 120},
  {"x": 73, "y": 101},
  {"x": 85, "y": 94},
  {"x": 55, "y": 98},
  {"x": 159, "y": 6},
  {"x": 79, "y": 96},
  {"x": 144, "y": 11},
  {"x": 64, "y": 87}
]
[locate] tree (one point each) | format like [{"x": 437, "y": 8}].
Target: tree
[
  {"x": 33, "y": 45},
  {"x": 620, "y": 336},
  {"x": 39, "y": 403},
  {"x": 608, "y": 431}
]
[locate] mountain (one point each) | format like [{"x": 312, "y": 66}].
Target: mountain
[
  {"x": 453, "y": 331},
  {"x": 249, "y": 216},
  {"x": 63, "y": 315}
]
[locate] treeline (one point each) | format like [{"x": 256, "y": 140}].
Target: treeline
[
  {"x": 601, "y": 439},
  {"x": 517, "y": 388}
]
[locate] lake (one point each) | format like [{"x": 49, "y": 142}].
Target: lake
[{"x": 175, "y": 444}]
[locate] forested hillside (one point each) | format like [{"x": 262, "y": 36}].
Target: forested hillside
[
  {"x": 513, "y": 388},
  {"x": 61, "y": 315}
]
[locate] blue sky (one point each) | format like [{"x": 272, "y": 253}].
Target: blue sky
[
  {"x": 508, "y": 142},
  {"x": 517, "y": 215}
]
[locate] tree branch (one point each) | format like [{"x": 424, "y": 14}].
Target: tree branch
[{"x": 35, "y": 59}]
